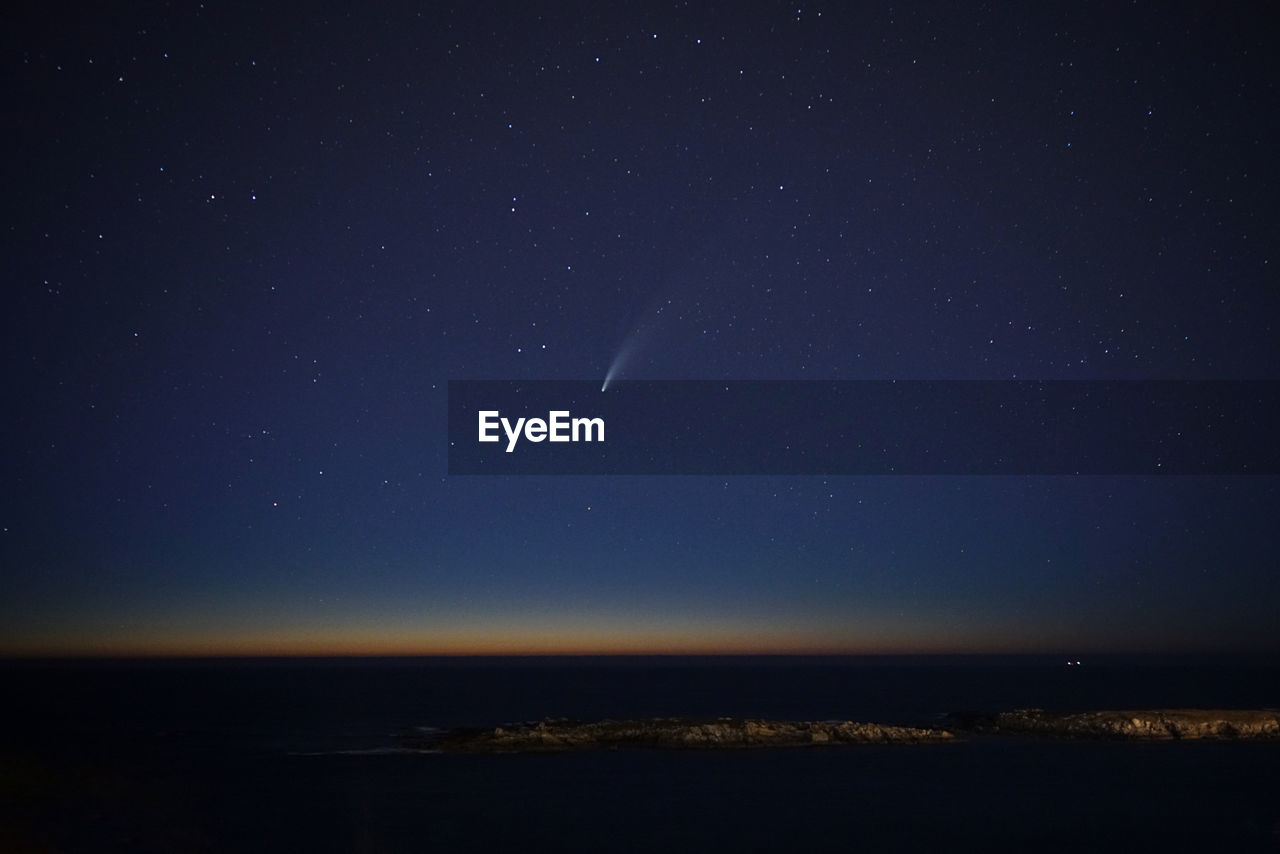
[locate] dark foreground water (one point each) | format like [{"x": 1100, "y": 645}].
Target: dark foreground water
[{"x": 300, "y": 756}]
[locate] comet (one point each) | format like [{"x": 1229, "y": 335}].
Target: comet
[
  {"x": 630, "y": 345},
  {"x": 619, "y": 361},
  {"x": 625, "y": 354}
]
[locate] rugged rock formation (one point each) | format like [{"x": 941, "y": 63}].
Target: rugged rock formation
[
  {"x": 560, "y": 734},
  {"x": 1145, "y": 724},
  {"x": 732, "y": 733}
]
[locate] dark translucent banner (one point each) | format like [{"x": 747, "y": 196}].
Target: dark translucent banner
[{"x": 866, "y": 427}]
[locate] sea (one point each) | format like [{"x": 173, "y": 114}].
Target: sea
[{"x": 282, "y": 755}]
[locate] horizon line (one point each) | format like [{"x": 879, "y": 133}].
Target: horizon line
[{"x": 1076, "y": 657}]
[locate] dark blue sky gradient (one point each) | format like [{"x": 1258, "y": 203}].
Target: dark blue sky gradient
[{"x": 248, "y": 246}]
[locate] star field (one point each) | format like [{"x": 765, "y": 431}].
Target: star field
[{"x": 248, "y": 247}]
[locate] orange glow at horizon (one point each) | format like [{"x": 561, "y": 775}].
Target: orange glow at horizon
[
  {"x": 583, "y": 640},
  {"x": 517, "y": 631}
]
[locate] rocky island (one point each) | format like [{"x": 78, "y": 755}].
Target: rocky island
[
  {"x": 721, "y": 733},
  {"x": 1145, "y": 724},
  {"x": 561, "y": 734}
]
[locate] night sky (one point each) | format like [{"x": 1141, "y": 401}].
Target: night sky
[{"x": 247, "y": 246}]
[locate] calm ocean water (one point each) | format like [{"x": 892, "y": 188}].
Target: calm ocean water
[{"x": 301, "y": 756}]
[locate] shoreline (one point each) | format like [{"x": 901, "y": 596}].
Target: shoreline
[
  {"x": 561, "y": 734},
  {"x": 1127, "y": 724}
]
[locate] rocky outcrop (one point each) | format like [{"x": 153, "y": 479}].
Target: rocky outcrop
[
  {"x": 1131, "y": 724},
  {"x": 560, "y": 734}
]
